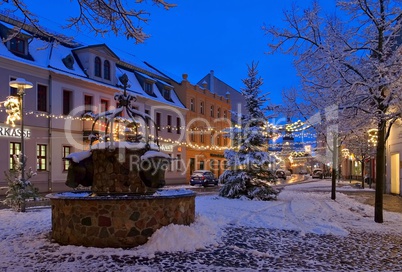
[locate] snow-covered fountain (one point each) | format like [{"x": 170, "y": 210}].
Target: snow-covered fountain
[{"x": 125, "y": 171}]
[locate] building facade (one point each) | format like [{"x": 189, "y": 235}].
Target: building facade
[
  {"x": 209, "y": 114},
  {"x": 68, "y": 81}
]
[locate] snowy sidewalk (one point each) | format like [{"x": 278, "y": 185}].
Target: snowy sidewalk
[{"x": 304, "y": 230}]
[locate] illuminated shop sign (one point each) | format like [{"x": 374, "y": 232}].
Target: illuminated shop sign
[
  {"x": 167, "y": 147},
  {"x": 14, "y": 132}
]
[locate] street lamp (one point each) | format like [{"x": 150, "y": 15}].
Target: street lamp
[{"x": 21, "y": 84}]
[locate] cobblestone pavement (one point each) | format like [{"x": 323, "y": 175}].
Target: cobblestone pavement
[{"x": 250, "y": 249}]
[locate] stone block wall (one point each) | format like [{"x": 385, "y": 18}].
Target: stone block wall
[{"x": 117, "y": 221}]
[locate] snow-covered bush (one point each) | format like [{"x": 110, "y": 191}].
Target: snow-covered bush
[{"x": 19, "y": 189}]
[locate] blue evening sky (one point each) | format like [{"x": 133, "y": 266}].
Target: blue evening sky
[{"x": 198, "y": 36}]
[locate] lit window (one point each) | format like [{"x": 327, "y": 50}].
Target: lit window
[
  {"x": 15, "y": 149},
  {"x": 218, "y": 113},
  {"x": 66, "y": 152},
  {"x": 41, "y": 154}
]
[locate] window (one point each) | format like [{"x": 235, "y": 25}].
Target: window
[
  {"x": 67, "y": 98},
  {"x": 192, "y": 106},
  {"x": 158, "y": 120},
  {"x": 88, "y": 103},
  {"x": 42, "y": 98},
  {"x": 201, "y": 165},
  {"x": 15, "y": 149},
  {"x": 225, "y": 141},
  {"x": 169, "y": 123},
  {"x": 98, "y": 67},
  {"x": 202, "y": 137},
  {"x": 104, "y": 105},
  {"x": 178, "y": 125},
  {"x": 66, "y": 152},
  {"x": 13, "y": 91},
  {"x": 225, "y": 114},
  {"x": 212, "y": 111},
  {"x": 178, "y": 165},
  {"x": 202, "y": 107},
  {"x": 148, "y": 87},
  {"x": 192, "y": 135},
  {"x": 17, "y": 45},
  {"x": 41, "y": 153},
  {"x": 218, "y": 140},
  {"x": 106, "y": 70},
  {"x": 218, "y": 113},
  {"x": 166, "y": 94}
]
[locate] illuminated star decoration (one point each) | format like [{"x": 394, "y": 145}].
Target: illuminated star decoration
[{"x": 12, "y": 106}]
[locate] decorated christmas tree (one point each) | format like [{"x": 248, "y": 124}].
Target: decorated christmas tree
[
  {"x": 19, "y": 189},
  {"x": 249, "y": 163}
]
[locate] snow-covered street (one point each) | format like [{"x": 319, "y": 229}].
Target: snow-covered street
[{"x": 304, "y": 230}]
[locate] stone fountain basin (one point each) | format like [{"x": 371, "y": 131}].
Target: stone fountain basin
[{"x": 118, "y": 220}]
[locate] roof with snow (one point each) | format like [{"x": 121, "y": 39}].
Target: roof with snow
[{"x": 63, "y": 59}]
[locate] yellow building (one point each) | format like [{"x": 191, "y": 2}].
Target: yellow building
[{"x": 207, "y": 117}]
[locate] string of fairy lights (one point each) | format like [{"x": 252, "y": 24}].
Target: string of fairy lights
[{"x": 11, "y": 107}]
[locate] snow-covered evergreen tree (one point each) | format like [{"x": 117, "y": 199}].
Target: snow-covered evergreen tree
[
  {"x": 249, "y": 172},
  {"x": 19, "y": 190}
]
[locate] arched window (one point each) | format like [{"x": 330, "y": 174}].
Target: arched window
[
  {"x": 106, "y": 70},
  {"x": 98, "y": 68}
]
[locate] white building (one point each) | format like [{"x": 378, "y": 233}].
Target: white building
[{"x": 68, "y": 81}]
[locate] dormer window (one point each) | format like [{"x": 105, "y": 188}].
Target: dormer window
[
  {"x": 17, "y": 45},
  {"x": 166, "y": 93},
  {"x": 106, "y": 70},
  {"x": 98, "y": 67},
  {"x": 148, "y": 87}
]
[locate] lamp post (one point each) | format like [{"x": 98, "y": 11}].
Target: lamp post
[{"x": 21, "y": 84}]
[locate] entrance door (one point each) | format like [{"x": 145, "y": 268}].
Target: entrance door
[{"x": 395, "y": 171}]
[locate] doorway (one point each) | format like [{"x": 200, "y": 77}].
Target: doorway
[{"x": 395, "y": 173}]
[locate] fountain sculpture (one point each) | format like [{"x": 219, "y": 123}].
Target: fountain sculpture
[{"x": 126, "y": 203}]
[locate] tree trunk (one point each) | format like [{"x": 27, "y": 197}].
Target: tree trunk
[
  {"x": 380, "y": 173},
  {"x": 362, "y": 172},
  {"x": 334, "y": 165}
]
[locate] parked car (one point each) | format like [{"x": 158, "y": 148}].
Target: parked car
[
  {"x": 317, "y": 173},
  {"x": 280, "y": 173},
  {"x": 203, "y": 177},
  {"x": 303, "y": 172}
]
